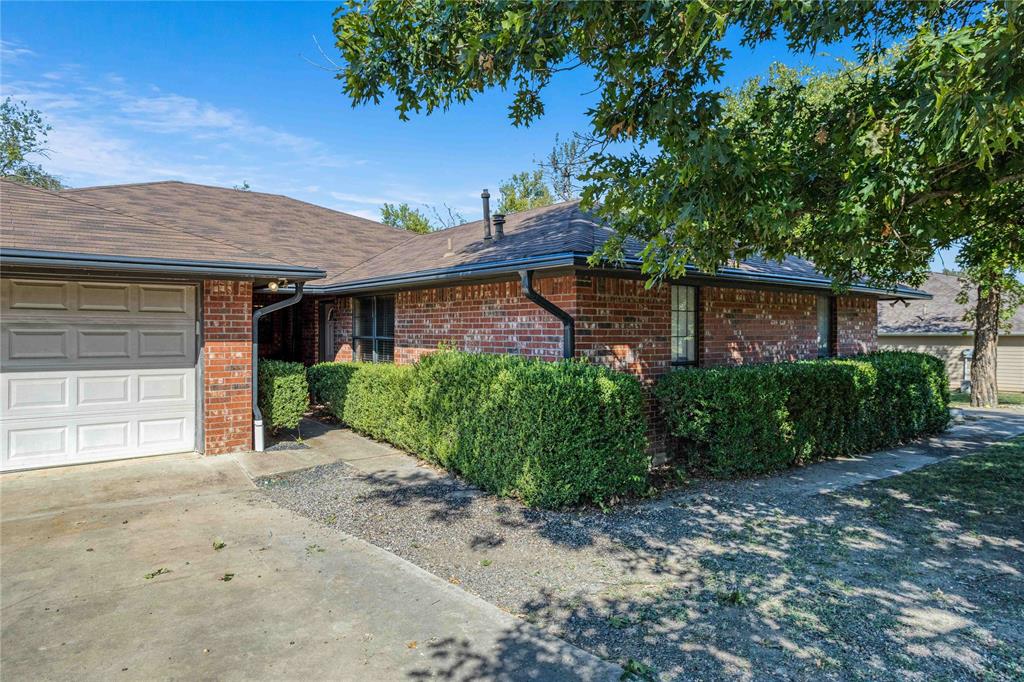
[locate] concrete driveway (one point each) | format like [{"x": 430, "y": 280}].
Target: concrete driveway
[{"x": 109, "y": 571}]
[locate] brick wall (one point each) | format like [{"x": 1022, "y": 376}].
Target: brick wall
[
  {"x": 856, "y": 325},
  {"x": 624, "y": 325},
  {"x": 619, "y": 323},
  {"x": 227, "y": 366},
  {"x": 757, "y": 325},
  {"x": 482, "y": 318}
]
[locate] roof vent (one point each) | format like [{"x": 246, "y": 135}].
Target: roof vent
[
  {"x": 486, "y": 196},
  {"x": 499, "y": 225}
]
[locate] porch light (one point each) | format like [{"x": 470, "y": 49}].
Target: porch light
[{"x": 272, "y": 286}]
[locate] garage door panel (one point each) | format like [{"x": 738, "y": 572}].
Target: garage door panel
[
  {"x": 30, "y": 394},
  {"x": 104, "y": 343},
  {"x": 34, "y": 344},
  {"x": 104, "y": 437},
  {"x": 29, "y": 346},
  {"x": 165, "y": 299},
  {"x": 38, "y": 295},
  {"x": 103, "y": 391},
  {"x": 163, "y": 388},
  {"x": 35, "y": 445},
  {"x": 104, "y": 297},
  {"x": 50, "y": 395},
  {"x": 95, "y": 371},
  {"x": 173, "y": 344}
]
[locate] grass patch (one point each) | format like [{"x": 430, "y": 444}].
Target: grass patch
[
  {"x": 983, "y": 487},
  {"x": 1005, "y": 398}
]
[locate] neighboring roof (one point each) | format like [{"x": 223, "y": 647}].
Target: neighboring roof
[
  {"x": 38, "y": 226},
  {"x": 273, "y": 225},
  {"x": 941, "y": 315}
]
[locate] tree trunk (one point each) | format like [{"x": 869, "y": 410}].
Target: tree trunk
[{"x": 986, "y": 340}]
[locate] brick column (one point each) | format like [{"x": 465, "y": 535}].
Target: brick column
[
  {"x": 227, "y": 366},
  {"x": 856, "y": 324}
]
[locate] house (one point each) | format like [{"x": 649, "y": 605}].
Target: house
[
  {"x": 937, "y": 326},
  {"x": 127, "y": 311}
]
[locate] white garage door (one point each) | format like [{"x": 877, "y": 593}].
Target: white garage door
[{"x": 95, "y": 371}]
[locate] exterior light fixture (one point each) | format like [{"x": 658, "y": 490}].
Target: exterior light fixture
[{"x": 273, "y": 286}]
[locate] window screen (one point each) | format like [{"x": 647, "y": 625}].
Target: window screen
[
  {"x": 684, "y": 325},
  {"x": 374, "y": 332}
]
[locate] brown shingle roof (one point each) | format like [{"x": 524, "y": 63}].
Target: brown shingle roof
[
  {"x": 557, "y": 229},
  {"x": 268, "y": 227},
  {"x": 273, "y": 225},
  {"x": 941, "y": 315},
  {"x": 39, "y": 220}
]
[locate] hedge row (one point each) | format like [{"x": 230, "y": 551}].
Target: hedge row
[
  {"x": 283, "y": 393},
  {"x": 549, "y": 433},
  {"x": 736, "y": 421}
]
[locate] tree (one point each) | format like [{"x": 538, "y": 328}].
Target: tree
[
  {"x": 695, "y": 186},
  {"x": 244, "y": 187},
  {"x": 565, "y": 167},
  {"x": 405, "y": 217},
  {"x": 23, "y": 134},
  {"x": 524, "y": 191},
  {"x": 865, "y": 172},
  {"x": 992, "y": 261}
]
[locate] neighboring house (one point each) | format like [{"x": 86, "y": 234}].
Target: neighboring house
[
  {"x": 937, "y": 326},
  {"x": 127, "y": 310}
]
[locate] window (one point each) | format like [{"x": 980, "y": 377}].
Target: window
[
  {"x": 374, "y": 332},
  {"x": 684, "y": 325},
  {"x": 826, "y": 326}
]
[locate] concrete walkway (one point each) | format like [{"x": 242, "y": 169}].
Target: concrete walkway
[
  {"x": 973, "y": 430},
  {"x": 110, "y": 571}
]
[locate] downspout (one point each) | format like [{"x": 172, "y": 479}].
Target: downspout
[
  {"x": 257, "y": 315},
  {"x": 568, "y": 324}
]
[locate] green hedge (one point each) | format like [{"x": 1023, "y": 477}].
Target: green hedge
[
  {"x": 328, "y": 382},
  {"x": 549, "y": 433},
  {"x": 283, "y": 393},
  {"x": 735, "y": 421},
  {"x": 377, "y": 403}
]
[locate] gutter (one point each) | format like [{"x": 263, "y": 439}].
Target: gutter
[
  {"x": 568, "y": 324},
  {"x": 575, "y": 259},
  {"x": 76, "y": 261},
  {"x": 257, "y": 416}
]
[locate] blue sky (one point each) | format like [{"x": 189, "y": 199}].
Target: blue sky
[{"x": 221, "y": 93}]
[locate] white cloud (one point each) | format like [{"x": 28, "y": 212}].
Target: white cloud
[{"x": 12, "y": 52}]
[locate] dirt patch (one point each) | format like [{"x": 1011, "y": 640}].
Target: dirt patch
[{"x": 916, "y": 577}]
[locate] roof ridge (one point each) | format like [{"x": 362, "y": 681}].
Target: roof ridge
[
  {"x": 204, "y": 237},
  {"x": 230, "y": 189}
]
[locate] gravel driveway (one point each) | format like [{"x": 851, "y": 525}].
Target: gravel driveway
[{"x": 917, "y": 577}]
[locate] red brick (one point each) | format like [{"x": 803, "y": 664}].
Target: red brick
[{"x": 227, "y": 359}]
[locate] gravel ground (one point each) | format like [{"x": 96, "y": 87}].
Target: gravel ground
[{"x": 918, "y": 577}]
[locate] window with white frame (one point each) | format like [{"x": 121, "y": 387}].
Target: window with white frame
[{"x": 684, "y": 325}]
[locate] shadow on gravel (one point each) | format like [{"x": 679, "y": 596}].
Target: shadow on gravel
[{"x": 915, "y": 577}]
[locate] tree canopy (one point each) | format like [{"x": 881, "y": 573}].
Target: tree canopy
[
  {"x": 866, "y": 171},
  {"x": 405, "y": 217},
  {"x": 23, "y": 135},
  {"x": 524, "y": 191}
]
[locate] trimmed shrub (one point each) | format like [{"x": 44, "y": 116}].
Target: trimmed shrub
[
  {"x": 550, "y": 433},
  {"x": 283, "y": 393},
  {"x": 913, "y": 395},
  {"x": 377, "y": 403},
  {"x": 735, "y": 421},
  {"x": 328, "y": 382}
]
